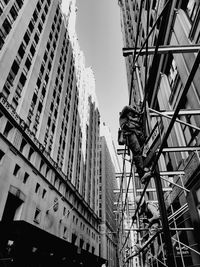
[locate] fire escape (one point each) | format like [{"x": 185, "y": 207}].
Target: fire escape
[{"x": 176, "y": 231}]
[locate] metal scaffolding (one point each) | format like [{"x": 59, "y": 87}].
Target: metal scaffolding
[{"x": 165, "y": 182}]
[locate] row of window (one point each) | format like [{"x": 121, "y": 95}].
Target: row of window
[
  {"x": 30, "y": 41},
  {"x": 75, "y": 220},
  {"x": 38, "y": 189},
  {"x": 43, "y": 77},
  {"x": 56, "y": 99},
  {"x": 30, "y": 154},
  {"x": 6, "y": 26}
]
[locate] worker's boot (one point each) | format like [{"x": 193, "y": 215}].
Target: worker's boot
[{"x": 147, "y": 175}]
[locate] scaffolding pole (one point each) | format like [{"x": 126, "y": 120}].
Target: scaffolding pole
[
  {"x": 166, "y": 230},
  {"x": 163, "y": 49},
  {"x": 177, "y": 120}
]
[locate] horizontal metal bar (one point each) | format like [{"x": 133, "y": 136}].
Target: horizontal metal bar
[
  {"x": 181, "y": 149},
  {"x": 172, "y": 229},
  {"x": 166, "y": 189},
  {"x": 162, "y": 173},
  {"x": 121, "y": 151},
  {"x": 175, "y": 49},
  {"x": 132, "y": 202},
  {"x": 141, "y": 189},
  {"x": 177, "y": 120},
  {"x": 182, "y": 229},
  {"x": 182, "y": 112},
  {"x": 172, "y": 149}
]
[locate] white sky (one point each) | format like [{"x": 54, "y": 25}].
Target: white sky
[{"x": 100, "y": 38}]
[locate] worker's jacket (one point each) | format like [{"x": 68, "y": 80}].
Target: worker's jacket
[
  {"x": 131, "y": 124},
  {"x": 151, "y": 211}
]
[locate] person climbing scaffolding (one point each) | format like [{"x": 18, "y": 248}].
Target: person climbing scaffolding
[
  {"x": 130, "y": 121},
  {"x": 151, "y": 217}
]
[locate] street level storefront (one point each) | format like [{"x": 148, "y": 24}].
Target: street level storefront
[{"x": 23, "y": 244}]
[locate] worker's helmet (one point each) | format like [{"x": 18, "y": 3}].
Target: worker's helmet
[{"x": 137, "y": 199}]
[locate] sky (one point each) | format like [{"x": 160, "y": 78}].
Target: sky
[{"x": 99, "y": 35}]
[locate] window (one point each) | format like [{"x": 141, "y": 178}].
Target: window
[
  {"x": 74, "y": 237},
  {"x": 37, "y": 215},
  {"x": 21, "y": 50},
  {"x": 6, "y": 26},
  {"x": 13, "y": 13},
  {"x": 31, "y": 26},
  {"x": 44, "y": 193},
  {"x": 26, "y": 176},
  {"x": 35, "y": 15},
  {"x": 7, "y": 129},
  {"x": 38, "y": 82},
  {"x": 28, "y": 63},
  {"x": 65, "y": 232},
  {"x": 37, "y": 188},
  {"x": 15, "y": 67},
  {"x": 27, "y": 37},
  {"x": 31, "y": 151},
  {"x": 1, "y": 155},
  {"x": 16, "y": 170},
  {"x": 23, "y": 144},
  {"x": 46, "y": 9},
  {"x": 1, "y": 11},
  {"x": 40, "y": 27},
  {"x": 22, "y": 79},
  {"x": 64, "y": 211},
  {"x": 41, "y": 165},
  {"x": 38, "y": 6},
  {"x": 40, "y": 107},
  {"x": 87, "y": 247},
  {"x": 2, "y": 37},
  {"x": 36, "y": 38},
  {"x": 32, "y": 50},
  {"x": 20, "y": 3},
  {"x": 43, "y": 17}
]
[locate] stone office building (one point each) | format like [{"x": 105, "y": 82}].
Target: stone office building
[{"x": 49, "y": 133}]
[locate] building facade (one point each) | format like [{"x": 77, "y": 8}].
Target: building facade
[
  {"x": 163, "y": 73},
  {"x": 108, "y": 167},
  {"x": 49, "y": 136}
]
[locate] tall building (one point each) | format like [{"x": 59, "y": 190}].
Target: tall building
[
  {"x": 49, "y": 137},
  {"x": 161, "y": 50},
  {"x": 108, "y": 167}
]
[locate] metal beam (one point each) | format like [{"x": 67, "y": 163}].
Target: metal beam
[
  {"x": 197, "y": 252},
  {"x": 182, "y": 112},
  {"x": 181, "y": 149},
  {"x": 165, "y": 189},
  {"x": 175, "y": 184},
  {"x": 170, "y": 149},
  {"x": 164, "y": 49},
  {"x": 162, "y": 173},
  {"x": 180, "y": 121},
  {"x": 121, "y": 151},
  {"x": 141, "y": 189},
  {"x": 172, "y": 229},
  {"x": 156, "y": 157},
  {"x": 178, "y": 106}
]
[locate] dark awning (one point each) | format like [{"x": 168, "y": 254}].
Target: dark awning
[{"x": 28, "y": 234}]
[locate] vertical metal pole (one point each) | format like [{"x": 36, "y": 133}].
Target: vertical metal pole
[
  {"x": 170, "y": 257},
  {"x": 166, "y": 231}
]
